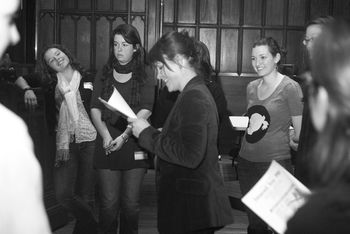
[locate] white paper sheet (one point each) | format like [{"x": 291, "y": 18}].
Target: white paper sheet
[
  {"x": 239, "y": 122},
  {"x": 117, "y": 103},
  {"x": 276, "y": 197}
]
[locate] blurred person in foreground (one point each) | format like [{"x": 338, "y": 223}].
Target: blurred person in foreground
[
  {"x": 327, "y": 209},
  {"x": 21, "y": 200},
  {"x": 308, "y": 135}
]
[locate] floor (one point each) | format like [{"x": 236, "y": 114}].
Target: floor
[{"x": 147, "y": 223}]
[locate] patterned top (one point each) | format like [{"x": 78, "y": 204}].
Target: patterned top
[{"x": 267, "y": 134}]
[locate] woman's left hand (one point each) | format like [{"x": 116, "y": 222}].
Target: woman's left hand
[
  {"x": 138, "y": 125},
  {"x": 116, "y": 144}
]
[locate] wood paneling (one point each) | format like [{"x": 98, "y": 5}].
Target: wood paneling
[
  {"x": 139, "y": 24},
  {"x": 138, "y": 5},
  {"x": 296, "y": 12},
  {"x": 67, "y": 4},
  {"x": 228, "y": 50},
  {"x": 68, "y": 32},
  {"x": 208, "y": 37},
  {"x": 120, "y": 5},
  {"x": 249, "y": 37},
  {"x": 208, "y": 11},
  {"x": 341, "y": 8},
  {"x": 84, "y": 4},
  {"x": 83, "y": 41},
  {"x": 169, "y": 11},
  {"x": 319, "y": 7},
  {"x": 230, "y": 11},
  {"x": 274, "y": 12},
  {"x": 102, "y": 42},
  {"x": 252, "y": 12},
  {"x": 187, "y": 11},
  {"x": 294, "y": 47},
  {"x": 103, "y": 4},
  {"x": 46, "y": 4},
  {"x": 46, "y": 31}
]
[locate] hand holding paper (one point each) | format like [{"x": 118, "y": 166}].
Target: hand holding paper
[
  {"x": 117, "y": 103},
  {"x": 276, "y": 197}
]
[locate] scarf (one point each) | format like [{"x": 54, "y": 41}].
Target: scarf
[
  {"x": 138, "y": 77},
  {"x": 68, "y": 114}
]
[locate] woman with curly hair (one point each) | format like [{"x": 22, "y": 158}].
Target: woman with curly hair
[{"x": 75, "y": 134}]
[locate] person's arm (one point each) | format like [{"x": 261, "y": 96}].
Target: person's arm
[
  {"x": 30, "y": 99},
  {"x": 184, "y": 146},
  {"x": 294, "y": 140},
  {"x": 101, "y": 128}
]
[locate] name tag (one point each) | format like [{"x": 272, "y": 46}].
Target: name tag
[
  {"x": 88, "y": 85},
  {"x": 140, "y": 155}
]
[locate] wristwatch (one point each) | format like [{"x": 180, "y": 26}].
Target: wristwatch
[{"x": 124, "y": 137}]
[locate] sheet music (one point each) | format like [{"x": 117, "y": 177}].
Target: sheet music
[{"x": 276, "y": 197}]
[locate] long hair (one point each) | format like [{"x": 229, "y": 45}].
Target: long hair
[
  {"x": 331, "y": 70},
  {"x": 131, "y": 36},
  {"x": 139, "y": 75},
  {"x": 48, "y": 75}
]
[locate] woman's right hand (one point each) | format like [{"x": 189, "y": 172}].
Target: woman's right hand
[
  {"x": 30, "y": 99},
  {"x": 107, "y": 144}
]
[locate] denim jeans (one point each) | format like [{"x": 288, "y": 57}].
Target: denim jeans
[
  {"x": 119, "y": 193},
  {"x": 248, "y": 174},
  {"x": 74, "y": 185}
]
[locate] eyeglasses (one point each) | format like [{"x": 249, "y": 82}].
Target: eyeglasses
[{"x": 307, "y": 40}]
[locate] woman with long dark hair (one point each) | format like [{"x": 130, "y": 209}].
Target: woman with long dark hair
[{"x": 121, "y": 163}]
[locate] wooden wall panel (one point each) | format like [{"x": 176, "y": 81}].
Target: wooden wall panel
[
  {"x": 230, "y": 11},
  {"x": 208, "y": 11},
  {"x": 153, "y": 29},
  {"x": 103, "y": 5},
  {"x": 84, "y": 4},
  {"x": 208, "y": 37},
  {"x": 169, "y": 11},
  {"x": 46, "y": 4},
  {"x": 229, "y": 50},
  {"x": 102, "y": 42},
  {"x": 120, "y": 5},
  {"x": 67, "y": 4},
  {"x": 187, "y": 11},
  {"x": 249, "y": 37},
  {"x": 319, "y": 7},
  {"x": 46, "y": 31},
  {"x": 294, "y": 47},
  {"x": 341, "y": 8},
  {"x": 274, "y": 12},
  {"x": 235, "y": 89},
  {"x": 296, "y": 12},
  {"x": 138, "y": 5},
  {"x": 252, "y": 12},
  {"x": 139, "y": 24},
  {"x": 68, "y": 33},
  {"x": 83, "y": 41}
]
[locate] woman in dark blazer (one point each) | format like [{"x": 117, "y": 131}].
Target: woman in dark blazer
[{"x": 191, "y": 196}]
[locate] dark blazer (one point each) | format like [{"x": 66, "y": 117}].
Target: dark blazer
[{"x": 191, "y": 192}]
